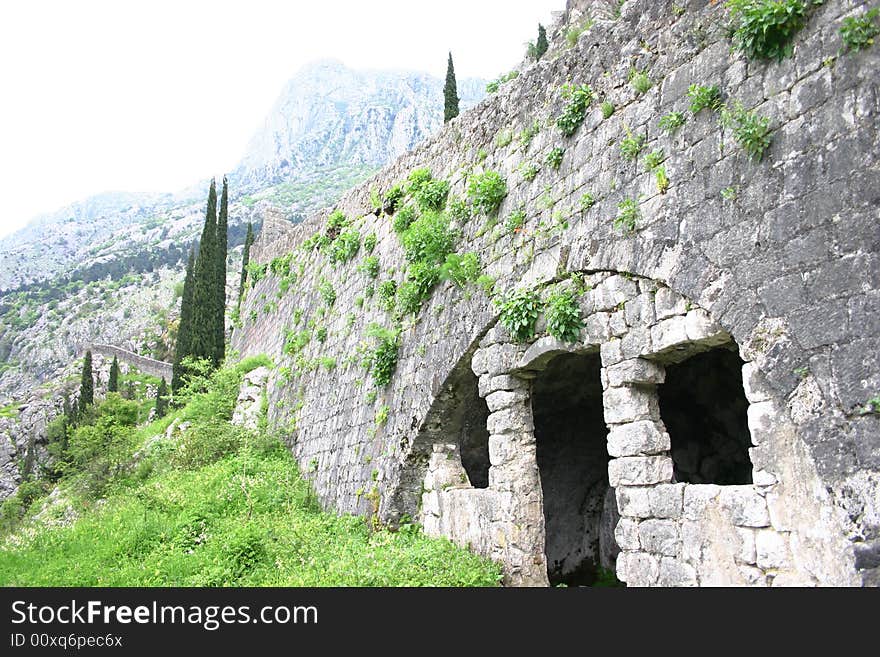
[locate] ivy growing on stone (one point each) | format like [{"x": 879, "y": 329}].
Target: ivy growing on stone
[
  {"x": 519, "y": 313},
  {"x": 563, "y": 316},
  {"x": 579, "y": 98}
]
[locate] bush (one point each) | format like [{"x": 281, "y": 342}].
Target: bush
[
  {"x": 765, "y": 29},
  {"x": 335, "y": 223},
  {"x": 370, "y": 242},
  {"x": 628, "y": 216},
  {"x": 579, "y": 98},
  {"x": 631, "y": 145},
  {"x": 345, "y": 246},
  {"x": 417, "y": 179},
  {"x": 459, "y": 210},
  {"x": 671, "y": 122},
  {"x": 404, "y": 217},
  {"x": 461, "y": 269},
  {"x": 704, "y": 97},
  {"x": 640, "y": 81},
  {"x": 858, "y": 32},
  {"x": 519, "y": 313},
  {"x": 421, "y": 277},
  {"x": 751, "y": 131},
  {"x": 554, "y": 157},
  {"x": 486, "y": 191},
  {"x": 607, "y": 109},
  {"x": 432, "y": 195},
  {"x": 392, "y": 198},
  {"x": 370, "y": 266},
  {"x": 328, "y": 294},
  {"x": 563, "y": 316},
  {"x": 382, "y": 360},
  {"x": 387, "y": 295},
  {"x": 429, "y": 239}
]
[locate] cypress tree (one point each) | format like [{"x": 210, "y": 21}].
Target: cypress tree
[
  {"x": 221, "y": 247},
  {"x": 450, "y": 93},
  {"x": 205, "y": 286},
  {"x": 245, "y": 259},
  {"x": 113, "y": 383},
  {"x": 162, "y": 399},
  {"x": 541, "y": 44},
  {"x": 184, "y": 328},
  {"x": 87, "y": 384}
]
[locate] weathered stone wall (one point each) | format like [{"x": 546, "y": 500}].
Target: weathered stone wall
[
  {"x": 146, "y": 365},
  {"x": 785, "y": 263}
]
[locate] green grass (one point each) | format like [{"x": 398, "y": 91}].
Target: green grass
[{"x": 220, "y": 506}]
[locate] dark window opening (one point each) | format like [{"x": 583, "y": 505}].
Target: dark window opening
[
  {"x": 579, "y": 508},
  {"x": 703, "y": 405},
  {"x": 469, "y": 420}
]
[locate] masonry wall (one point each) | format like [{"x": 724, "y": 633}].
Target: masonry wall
[{"x": 785, "y": 264}]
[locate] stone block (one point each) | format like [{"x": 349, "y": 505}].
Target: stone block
[
  {"x": 667, "y": 500},
  {"x": 660, "y": 537},
  {"x": 612, "y": 292},
  {"x": 489, "y": 384},
  {"x": 700, "y": 327},
  {"x": 640, "y": 310},
  {"x": 505, "y": 399},
  {"x": 596, "y": 328},
  {"x": 633, "y": 501},
  {"x": 674, "y": 572},
  {"x": 639, "y": 470},
  {"x": 637, "y": 568},
  {"x": 697, "y": 497},
  {"x": 745, "y": 506},
  {"x": 500, "y": 449},
  {"x": 630, "y": 404},
  {"x": 668, "y": 304},
  {"x": 626, "y": 534},
  {"x": 635, "y": 370},
  {"x": 510, "y": 420},
  {"x": 771, "y": 548},
  {"x": 668, "y": 334},
  {"x": 746, "y": 553},
  {"x": 611, "y": 352},
  {"x": 637, "y": 439},
  {"x": 755, "y": 383},
  {"x": 496, "y": 359},
  {"x": 617, "y": 324},
  {"x": 636, "y": 342},
  {"x": 762, "y": 418}
]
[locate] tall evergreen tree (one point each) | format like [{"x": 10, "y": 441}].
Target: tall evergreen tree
[
  {"x": 450, "y": 93},
  {"x": 245, "y": 259},
  {"x": 87, "y": 384},
  {"x": 162, "y": 399},
  {"x": 184, "y": 327},
  {"x": 113, "y": 382},
  {"x": 205, "y": 286},
  {"x": 541, "y": 44},
  {"x": 221, "y": 247}
]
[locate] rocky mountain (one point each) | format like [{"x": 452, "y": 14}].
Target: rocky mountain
[{"x": 329, "y": 113}]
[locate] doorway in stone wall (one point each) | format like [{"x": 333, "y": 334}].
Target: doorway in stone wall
[
  {"x": 570, "y": 434},
  {"x": 704, "y": 408}
]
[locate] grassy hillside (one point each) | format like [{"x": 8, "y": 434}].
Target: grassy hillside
[{"x": 212, "y": 505}]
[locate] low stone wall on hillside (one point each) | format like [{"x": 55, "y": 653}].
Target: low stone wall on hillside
[{"x": 755, "y": 281}]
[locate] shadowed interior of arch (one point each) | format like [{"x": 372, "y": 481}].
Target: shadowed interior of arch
[
  {"x": 570, "y": 434},
  {"x": 703, "y": 405}
]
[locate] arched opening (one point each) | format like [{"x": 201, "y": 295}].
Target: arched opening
[
  {"x": 570, "y": 436},
  {"x": 703, "y": 405},
  {"x": 469, "y": 422}
]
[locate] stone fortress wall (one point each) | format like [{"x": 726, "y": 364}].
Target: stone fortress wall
[{"x": 748, "y": 280}]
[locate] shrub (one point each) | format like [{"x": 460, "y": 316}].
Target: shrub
[
  {"x": 417, "y": 179},
  {"x": 296, "y": 341},
  {"x": 494, "y": 85},
  {"x": 554, "y": 157},
  {"x": 573, "y": 33},
  {"x": 527, "y": 134},
  {"x": 607, "y": 109},
  {"x": 328, "y": 294},
  {"x": 858, "y": 32},
  {"x": 661, "y": 178},
  {"x": 515, "y": 220},
  {"x": 370, "y": 242},
  {"x": 529, "y": 170},
  {"x": 704, "y": 97},
  {"x": 387, "y": 295},
  {"x": 587, "y": 201},
  {"x": 345, "y": 246},
  {"x": 421, "y": 277},
  {"x": 639, "y": 81},
  {"x": 628, "y": 216},
  {"x": 432, "y": 195},
  {"x": 370, "y": 266},
  {"x": 672, "y": 121},
  {"x": 486, "y": 191},
  {"x": 765, "y": 29},
  {"x": 751, "y": 131},
  {"x": 335, "y": 223},
  {"x": 382, "y": 360},
  {"x": 403, "y": 218},
  {"x": 631, "y": 145},
  {"x": 392, "y": 198},
  {"x": 461, "y": 269},
  {"x": 579, "y": 98},
  {"x": 429, "y": 238},
  {"x": 519, "y": 313},
  {"x": 653, "y": 159},
  {"x": 459, "y": 211},
  {"x": 503, "y": 138},
  {"x": 563, "y": 316}
]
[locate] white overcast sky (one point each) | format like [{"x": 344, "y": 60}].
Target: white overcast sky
[{"x": 154, "y": 96}]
